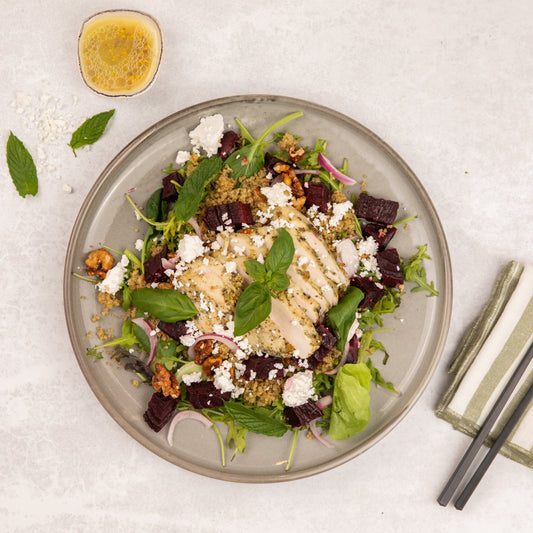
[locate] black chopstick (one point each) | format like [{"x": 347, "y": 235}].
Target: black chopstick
[
  {"x": 487, "y": 460},
  {"x": 473, "y": 449}
]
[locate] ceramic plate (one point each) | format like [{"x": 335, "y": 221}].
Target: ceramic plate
[{"x": 420, "y": 325}]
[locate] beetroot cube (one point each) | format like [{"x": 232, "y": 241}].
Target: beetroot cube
[
  {"x": 204, "y": 395},
  {"x": 211, "y": 218},
  {"x": 258, "y": 367},
  {"x": 316, "y": 193},
  {"x": 227, "y": 144},
  {"x": 170, "y": 194},
  {"x": 240, "y": 214},
  {"x": 327, "y": 341},
  {"x": 302, "y": 414},
  {"x": 381, "y": 233},
  {"x": 373, "y": 293},
  {"x": 174, "y": 330},
  {"x": 160, "y": 410},
  {"x": 389, "y": 266},
  {"x": 234, "y": 215},
  {"x": 353, "y": 350},
  {"x": 154, "y": 272},
  {"x": 376, "y": 209}
]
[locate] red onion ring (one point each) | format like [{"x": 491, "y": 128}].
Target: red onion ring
[
  {"x": 230, "y": 343},
  {"x": 182, "y": 415},
  {"x": 326, "y": 163},
  {"x": 148, "y": 329},
  {"x": 323, "y": 402},
  {"x": 194, "y": 223},
  {"x": 348, "y": 256},
  {"x": 318, "y": 436}
]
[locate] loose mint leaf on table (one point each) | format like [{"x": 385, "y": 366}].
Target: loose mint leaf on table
[
  {"x": 249, "y": 159},
  {"x": 166, "y": 304},
  {"x": 193, "y": 189},
  {"x": 255, "y": 420},
  {"x": 91, "y": 130},
  {"x": 21, "y": 167}
]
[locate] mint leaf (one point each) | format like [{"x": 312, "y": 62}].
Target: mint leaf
[
  {"x": 91, "y": 130},
  {"x": 342, "y": 316},
  {"x": 255, "y": 269},
  {"x": 255, "y": 420},
  {"x": 193, "y": 189},
  {"x": 253, "y": 306},
  {"x": 281, "y": 253},
  {"x": 166, "y": 304},
  {"x": 21, "y": 167}
]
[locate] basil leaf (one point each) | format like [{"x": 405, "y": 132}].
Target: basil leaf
[
  {"x": 255, "y": 269},
  {"x": 253, "y": 306},
  {"x": 91, "y": 130},
  {"x": 166, "y": 304},
  {"x": 279, "y": 282},
  {"x": 342, "y": 316},
  {"x": 193, "y": 189},
  {"x": 254, "y": 420},
  {"x": 21, "y": 167},
  {"x": 350, "y": 411},
  {"x": 281, "y": 253}
]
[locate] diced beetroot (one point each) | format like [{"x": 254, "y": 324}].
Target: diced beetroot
[
  {"x": 160, "y": 410},
  {"x": 301, "y": 415},
  {"x": 234, "y": 215},
  {"x": 372, "y": 292},
  {"x": 381, "y": 233},
  {"x": 353, "y": 349},
  {"x": 204, "y": 395},
  {"x": 258, "y": 367},
  {"x": 170, "y": 194},
  {"x": 328, "y": 340},
  {"x": 389, "y": 266},
  {"x": 227, "y": 144},
  {"x": 376, "y": 209},
  {"x": 174, "y": 330},
  {"x": 153, "y": 269},
  {"x": 316, "y": 193}
]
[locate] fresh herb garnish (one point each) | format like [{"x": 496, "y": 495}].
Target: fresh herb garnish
[
  {"x": 91, "y": 130},
  {"x": 21, "y": 167},
  {"x": 378, "y": 379},
  {"x": 249, "y": 159},
  {"x": 342, "y": 316},
  {"x": 256, "y": 419},
  {"x": 255, "y": 303},
  {"x": 194, "y": 187},
  {"x": 166, "y": 304},
  {"x": 414, "y": 272}
]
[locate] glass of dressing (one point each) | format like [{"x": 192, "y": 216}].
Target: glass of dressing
[{"x": 119, "y": 52}]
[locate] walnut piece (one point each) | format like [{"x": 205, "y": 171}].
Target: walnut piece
[
  {"x": 202, "y": 350},
  {"x": 165, "y": 382},
  {"x": 99, "y": 262}
]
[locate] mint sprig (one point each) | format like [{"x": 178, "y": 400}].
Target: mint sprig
[
  {"x": 21, "y": 167},
  {"x": 255, "y": 303},
  {"x": 91, "y": 130}
]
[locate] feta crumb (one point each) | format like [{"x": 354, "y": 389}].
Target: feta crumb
[
  {"x": 187, "y": 340},
  {"x": 231, "y": 267},
  {"x": 278, "y": 194},
  {"x": 190, "y": 247},
  {"x": 139, "y": 243},
  {"x": 193, "y": 377},
  {"x": 114, "y": 277},
  {"x": 67, "y": 188},
  {"x": 222, "y": 377},
  {"x": 182, "y": 157},
  {"x": 207, "y": 134},
  {"x": 298, "y": 389}
]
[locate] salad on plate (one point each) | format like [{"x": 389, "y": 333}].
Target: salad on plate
[{"x": 254, "y": 297}]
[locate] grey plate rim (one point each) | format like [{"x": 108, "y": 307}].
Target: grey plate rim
[{"x": 446, "y": 294}]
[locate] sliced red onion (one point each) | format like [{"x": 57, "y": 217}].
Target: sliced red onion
[
  {"x": 326, "y": 163},
  {"x": 318, "y": 436},
  {"x": 150, "y": 331},
  {"x": 194, "y": 223},
  {"x": 323, "y": 402},
  {"x": 182, "y": 415},
  {"x": 230, "y": 343},
  {"x": 133, "y": 189},
  {"x": 167, "y": 264},
  {"x": 348, "y": 256},
  {"x": 306, "y": 171}
]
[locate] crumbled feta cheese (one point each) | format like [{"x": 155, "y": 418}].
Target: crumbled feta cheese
[
  {"x": 298, "y": 389},
  {"x": 187, "y": 340},
  {"x": 215, "y": 246},
  {"x": 139, "y": 243},
  {"x": 261, "y": 259},
  {"x": 190, "y": 247},
  {"x": 302, "y": 260},
  {"x": 207, "y": 134},
  {"x": 114, "y": 277},
  {"x": 222, "y": 377},
  {"x": 182, "y": 157},
  {"x": 193, "y": 377},
  {"x": 279, "y": 194},
  {"x": 67, "y": 188},
  {"x": 257, "y": 240},
  {"x": 231, "y": 267}
]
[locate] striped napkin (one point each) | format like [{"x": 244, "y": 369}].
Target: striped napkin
[{"x": 485, "y": 360}]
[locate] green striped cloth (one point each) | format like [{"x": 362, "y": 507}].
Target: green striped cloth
[{"x": 485, "y": 360}]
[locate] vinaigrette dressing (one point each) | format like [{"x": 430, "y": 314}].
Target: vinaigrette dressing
[{"x": 119, "y": 52}]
